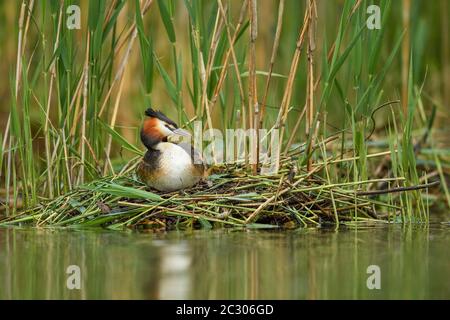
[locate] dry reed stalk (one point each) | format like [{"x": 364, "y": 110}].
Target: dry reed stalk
[
  {"x": 47, "y": 113},
  {"x": 205, "y": 73},
  {"x": 316, "y": 84},
  {"x": 109, "y": 13},
  {"x": 205, "y": 102},
  {"x": 76, "y": 101},
  {"x": 120, "y": 74},
  {"x": 8, "y": 122},
  {"x": 77, "y": 92},
  {"x": 84, "y": 111},
  {"x": 112, "y": 125},
  {"x": 354, "y": 8},
  {"x": 252, "y": 92},
  {"x": 231, "y": 53},
  {"x": 27, "y": 25},
  {"x": 294, "y": 130},
  {"x": 130, "y": 30},
  {"x": 310, "y": 77},
  {"x": 218, "y": 28},
  {"x": 276, "y": 44},
  {"x": 19, "y": 47},
  {"x": 282, "y": 114},
  {"x": 66, "y": 155},
  {"x": 123, "y": 63}
]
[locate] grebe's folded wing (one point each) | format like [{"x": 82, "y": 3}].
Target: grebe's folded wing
[{"x": 196, "y": 156}]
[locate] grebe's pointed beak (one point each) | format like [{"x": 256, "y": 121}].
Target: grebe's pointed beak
[{"x": 181, "y": 132}]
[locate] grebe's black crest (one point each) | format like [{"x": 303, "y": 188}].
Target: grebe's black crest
[{"x": 161, "y": 116}]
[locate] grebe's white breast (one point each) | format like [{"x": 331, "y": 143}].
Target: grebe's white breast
[{"x": 176, "y": 168}]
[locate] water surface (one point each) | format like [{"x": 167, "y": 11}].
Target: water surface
[{"x": 414, "y": 262}]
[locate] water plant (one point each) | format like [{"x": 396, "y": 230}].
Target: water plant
[{"x": 352, "y": 148}]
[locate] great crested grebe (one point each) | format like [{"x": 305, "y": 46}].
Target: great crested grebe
[{"x": 167, "y": 166}]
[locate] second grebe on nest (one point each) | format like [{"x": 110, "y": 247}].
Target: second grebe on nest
[{"x": 167, "y": 166}]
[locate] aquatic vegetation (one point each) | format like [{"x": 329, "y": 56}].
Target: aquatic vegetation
[
  {"x": 351, "y": 104},
  {"x": 230, "y": 198}
]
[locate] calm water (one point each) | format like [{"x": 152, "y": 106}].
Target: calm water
[{"x": 307, "y": 264}]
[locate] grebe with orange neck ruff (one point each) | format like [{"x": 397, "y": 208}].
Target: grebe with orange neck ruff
[{"x": 167, "y": 166}]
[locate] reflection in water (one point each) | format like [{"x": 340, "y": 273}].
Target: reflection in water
[{"x": 303, "y": 264}]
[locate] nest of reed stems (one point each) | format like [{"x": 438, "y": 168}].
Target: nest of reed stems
[{"x": 229, "y": 197}]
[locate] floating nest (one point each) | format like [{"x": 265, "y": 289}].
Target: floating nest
[{"x": 229, "y": 197}]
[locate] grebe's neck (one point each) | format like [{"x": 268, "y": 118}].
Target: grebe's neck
[
  {"x": 151, "y": 141},
  {"x": 150, "y": 135}
]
